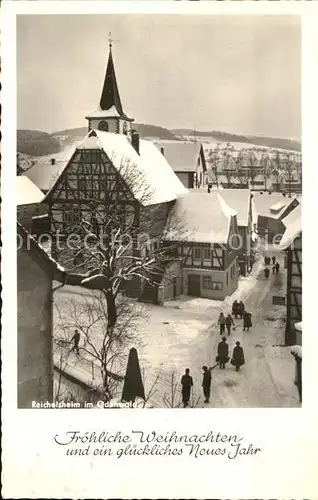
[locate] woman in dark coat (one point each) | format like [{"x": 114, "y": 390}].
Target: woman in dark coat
[
  {"x": 206, "y": 383},
  {"x": 187, "y": 383},
  {"x": 235, "y": 308},
  {"x": 223, "y": 353},
  {"x": 247, "y": 321},
  {"x": 241, "y": 309},
  {"x": 238, "y": 356}
]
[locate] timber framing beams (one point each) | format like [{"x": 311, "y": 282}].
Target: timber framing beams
[{"x": 202, "y": 255}]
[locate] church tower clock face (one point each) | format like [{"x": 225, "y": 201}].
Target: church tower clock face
[{"x": 103, "y": 126}]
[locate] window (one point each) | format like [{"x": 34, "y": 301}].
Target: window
[
  {"x": 207, "y": 282},
  {"x": 217, "y": 285},
  {"x": 207, "y": 253},
  {"x": 197, "y": 253},
  {"x": 227, "y": 278},
  {"x": 72, "y": 216}
]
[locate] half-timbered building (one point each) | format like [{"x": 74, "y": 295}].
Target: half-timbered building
[
  {"x": 206, "y": 245},
  {"x": 111, "y": 172},
  {"x": 240, "y": 200},
  {"x": 291, "y": 242}
]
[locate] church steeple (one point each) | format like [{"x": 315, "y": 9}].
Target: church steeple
[
  {"x": 110, "y": 116},
  {"x": 110, "y": 95}
]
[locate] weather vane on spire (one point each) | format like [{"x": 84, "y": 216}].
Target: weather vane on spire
[{"x": 110, "y": 39}]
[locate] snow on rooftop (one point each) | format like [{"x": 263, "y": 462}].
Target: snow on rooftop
[
  {"x": 263, "y": 204},
  {"x": 202, "y": 217},
  {"x": 277, "y": 207},
  {"x": 292, "y": 231},
  {"x": 181, "y": 156},
  {"x": 155, "y": 181},
  {"x": 292, "y": 216},
  {"x": 101, "y": 113},
  {"x": 27, "y": 192},
  {"x": 44, "y": 173},
  {"x": 229, "y": 212},
  {"x": 296, "y": 350},
  {"x": 298, "y": 326}
]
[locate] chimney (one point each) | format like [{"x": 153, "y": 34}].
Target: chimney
[
  {"x": 52, "y": 161},
  {"x": 135, "y": 139},
  {"x": 162, "y": 151}
]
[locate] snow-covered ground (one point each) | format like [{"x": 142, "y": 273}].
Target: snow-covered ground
[{"x": 184, "y": 333}]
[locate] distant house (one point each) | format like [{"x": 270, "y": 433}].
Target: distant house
[
  {"x": 45, "y": 172},
  {"x": 187, "y": 160},
  {"x": 291, "y": 185},
  {"x": 208, "y": 263},
  {"x": 230, "y": 181},
  {"x": 240, "y": 200},
  {"x": 291, "y": 242},
  {"x": 261, "y": 183},
  {"x": 35, "y": 273},
  {"x": 29, "y": 202},
  {"x": 271, "y": 209}
]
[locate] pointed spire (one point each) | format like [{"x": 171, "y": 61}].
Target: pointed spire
[{"x": 110, "y": 94}]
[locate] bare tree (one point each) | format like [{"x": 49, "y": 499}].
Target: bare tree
[
  {"x": 266, "y": 164},
  {"x": 171, "y": 400},
  {"x": 113, "y": 245},
  {"x": 102, "y": 347},
  {"x": 242, "y": 176},
  {"x": 288, "y": 165},
  {"x": 278, "y": 178},
  {"x": 252, "y": 159}
]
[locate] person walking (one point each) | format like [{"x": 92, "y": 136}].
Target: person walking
[
  {"x": 273, "y": 260},
  {"x": 273, "y": 269},
  {"x": 241, "y": 309},
  {"x": 266, "y": 272},
  {"x": 247, "y": 321},
  {"x": 238, "y": 356},
  {"x": 221, "y": 322},
  {"x": 187, "y": 383},
  {"x": 223, "y": 353},
  {"x": 277, "y": 266},
  {"x": 76, "y": 338},
  {"x": 229, "y": 323},
  {"x": 235, "y": 308},
  {"x": 206, "y": 383}
]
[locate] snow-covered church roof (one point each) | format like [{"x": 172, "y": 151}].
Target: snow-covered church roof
[{"x": 153, "y": 173}]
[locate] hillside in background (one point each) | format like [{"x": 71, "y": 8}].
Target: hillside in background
[
  {"x": 271, "y": 142},
  {"x": 24, "y": 162},
  {"x": 35, "y": 143},
  {"x": 71, "y": 135}
]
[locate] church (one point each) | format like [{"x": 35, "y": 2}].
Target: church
[{"x": 114, "y": 167}]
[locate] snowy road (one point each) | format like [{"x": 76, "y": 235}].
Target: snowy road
[
  {"x": 184, "y": 333},
  {"x": 266, "y": 380}
]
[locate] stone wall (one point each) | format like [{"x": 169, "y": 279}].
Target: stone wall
[{"x": 35, "y": 364}]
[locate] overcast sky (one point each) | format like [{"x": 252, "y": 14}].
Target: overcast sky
[{"x": 239, "y": 74}]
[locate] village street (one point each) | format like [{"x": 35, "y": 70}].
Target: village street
[{"x": 184, "y": 334}]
